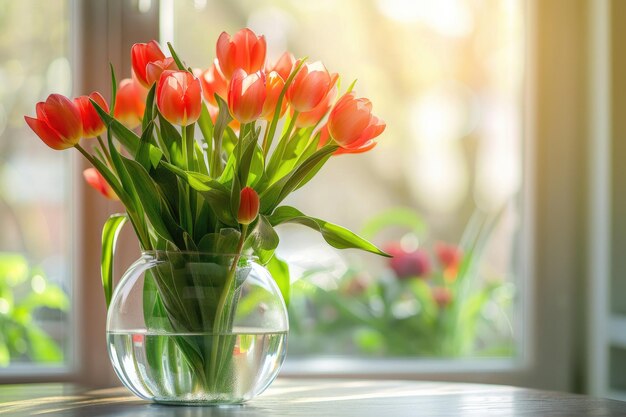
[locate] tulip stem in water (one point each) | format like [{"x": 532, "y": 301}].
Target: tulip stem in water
[{"x": 219, "y": 321}]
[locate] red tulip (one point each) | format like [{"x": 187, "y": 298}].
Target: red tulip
[
  {"x": 141, "y": 54},
  {"x": 97, "y": 181},
  {"x": 156, "y": 68},
  {"x": 179, "y": 97},
  {"x": 325, "y": 138},
  {"x": 284, "y": 65},
  {"x": 92, "y": 124},
  {"x": 246, "y": 95},
  {"x": 274, "y": 85},
  {"x": 213, "y": 82},
  {"x": 310, "y": 86},
  {"x": 248, "y": 206},
  {"x": 352, "y": 124},
  {"x": 130, "y": 103},
  {"x": 244, "y": 50},
  {"x": 311, "y": 118},
  {"x": 58, "y": 122}
]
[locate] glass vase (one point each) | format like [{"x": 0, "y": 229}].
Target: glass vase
[{"x": 197, "y": 328}]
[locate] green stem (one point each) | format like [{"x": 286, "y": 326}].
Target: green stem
[
  {"x": 216, "y": 162},
  {"x": 266, "y": 137},
  {"x": 188, "y": 223},
  {"x": 106, "y": 151},
  {"x": 85, "y": 154},
  {"x": 218, "y": 321}
]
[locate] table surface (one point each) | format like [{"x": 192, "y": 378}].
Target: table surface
[{"x": 312, "y": 398}]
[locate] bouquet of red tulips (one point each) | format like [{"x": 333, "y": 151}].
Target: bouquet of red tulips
[{"x": 196, "y": 157}]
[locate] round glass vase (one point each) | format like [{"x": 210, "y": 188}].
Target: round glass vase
[{"x": 195, "y": 328}]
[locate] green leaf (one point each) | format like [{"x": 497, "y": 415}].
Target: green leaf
[
  {"x": 235, "y": 197},
  {"x": 179, "y": 63},
  {"x": 143, "y": 153},
  {"x": 216, "y": 194},
  {"x": 110, "y": 232},
  {"x": 248, "y": 143},
  {"x": 113, "y": 89},
  {"x": 336, "y": 236},
  {"x": 172, "y": 140},
  {"x": 159, "y": 217},
  {"x": 263, "y": 239},
  {"x": 126, "y": 136},
  {"x": 222, "y": 121},
  {"x": 148, "y": 113},
  {"x": 279, "y": 270},
  {"x": 278, "y": 191},
  {"x": 287, "y": 154}
]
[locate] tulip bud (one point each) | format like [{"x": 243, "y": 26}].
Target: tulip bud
[
  {"x": 244, "y": 50},
  {"x": 92, "y": 124},
  {"x": 141, "y": 54},
  {"x": 246, "y": 95},
  {"x": 179, "y": 97},
  {"x": 352, "y": 124},
  {"x": 248, "y": 206},
  {"x": 97, "y": 181},
  {"x": 58, "y": 122},
  {"x": 130, "y": 103}
]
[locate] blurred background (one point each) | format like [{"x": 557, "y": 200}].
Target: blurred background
[{"x": 496, "y": 185}]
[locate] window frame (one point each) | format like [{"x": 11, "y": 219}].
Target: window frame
[{"x": 553, "y": 241}]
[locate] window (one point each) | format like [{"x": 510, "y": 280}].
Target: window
[
  {"x": 447, "y": 77},
  {"x": 452, "y": 69},
  {"x": 35, "y": 188}
]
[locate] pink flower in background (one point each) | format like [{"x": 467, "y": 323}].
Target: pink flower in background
[{"x": 408, "y": 264}]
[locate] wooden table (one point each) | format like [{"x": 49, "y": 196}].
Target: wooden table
[{"x": 312, "y": 398}]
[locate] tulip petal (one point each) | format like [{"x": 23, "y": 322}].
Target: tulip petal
[
  {"x": 47, "y": 134},
  {"x": 61, "y": 114}
]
